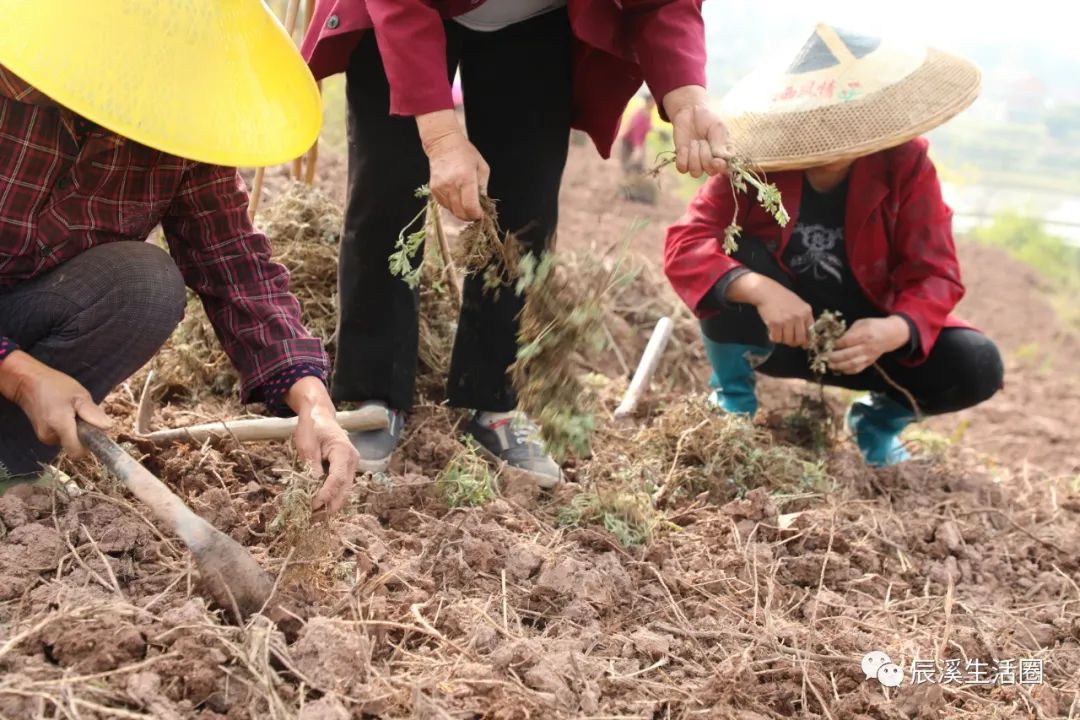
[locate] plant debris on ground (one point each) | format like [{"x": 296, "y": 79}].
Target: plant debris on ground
[
  {"x": 719, "y": 600},
  {"x": 755, "y": 601}
]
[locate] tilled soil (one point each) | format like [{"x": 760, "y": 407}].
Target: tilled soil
[
  {"x": 498, "y": 611},
  {"x": 752, "y": 603}
]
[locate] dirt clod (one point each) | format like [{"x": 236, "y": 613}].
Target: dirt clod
[{"x": 333, "y": 655}]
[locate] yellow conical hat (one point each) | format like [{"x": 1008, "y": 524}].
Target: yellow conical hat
[
  {"x": 844, "y": 95},
  {"x": 217, "y": 81}
]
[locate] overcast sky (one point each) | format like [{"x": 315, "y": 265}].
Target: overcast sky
[{"x": 1039, "y": 37}]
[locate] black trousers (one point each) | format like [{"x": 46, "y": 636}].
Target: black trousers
[
  {"x": 517, "y": 84},
  {"x": 99, "y": 317},
  {"x": 963, "y": 369}
]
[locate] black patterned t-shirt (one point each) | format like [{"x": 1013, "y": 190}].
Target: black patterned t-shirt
[{"x": 817, "y": 257}]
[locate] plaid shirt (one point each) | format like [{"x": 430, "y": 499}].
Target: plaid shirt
[{"x": 67, "y": 185}]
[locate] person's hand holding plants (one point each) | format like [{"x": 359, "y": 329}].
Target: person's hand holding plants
[
  {"x": 866, "y": 341},
  {"x": 701, "y": 138},
  {"x": 459, "y": 174}
]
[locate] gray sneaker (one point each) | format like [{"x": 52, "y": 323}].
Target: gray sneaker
[
  {"x": 377, "y": 446},
  {"x": 513, "y": 439}
]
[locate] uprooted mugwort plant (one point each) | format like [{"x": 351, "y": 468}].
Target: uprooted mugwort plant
[
  {"x": 559, "y": 318},
  {"x": 742, "y": 175}
]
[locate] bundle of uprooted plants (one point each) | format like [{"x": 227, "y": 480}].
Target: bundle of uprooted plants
[
  {"x": 827, "y": 329},
  {"x": 742, "y": 175},
  {"x": 561, "y": 317},
  {"x": 303, "y": 226}
]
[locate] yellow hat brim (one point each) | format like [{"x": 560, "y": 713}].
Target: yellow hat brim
[{"x": 216, "y": 81}]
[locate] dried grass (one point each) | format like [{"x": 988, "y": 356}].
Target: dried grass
[{"x": 303, "y": 226}]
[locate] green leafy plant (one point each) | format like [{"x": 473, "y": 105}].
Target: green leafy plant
[
  {"x": 408, "y": 243},
  {"x": 742, "y": 176},
  {"x": 467, "y": 480},
  {"x": 629, "y": 516}
]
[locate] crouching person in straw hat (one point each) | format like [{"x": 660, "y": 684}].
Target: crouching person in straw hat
[
  {"x": 870, "y": 237},
  {"x": 530, "y": 71},
  {"x": 111, "y": 123}
]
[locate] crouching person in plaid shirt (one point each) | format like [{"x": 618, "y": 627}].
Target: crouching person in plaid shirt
[{"x": 85, "y": 301}]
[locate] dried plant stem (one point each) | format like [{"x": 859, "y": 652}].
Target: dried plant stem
[
  {"x": 435, "y": 220},
  {"x": 902, "y": 390},
  {"x": 256, "y": 192}
]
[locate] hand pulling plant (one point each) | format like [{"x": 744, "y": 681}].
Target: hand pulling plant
[
  {"x": 558, "y": 318},
  {"x": 827, "y": 329}
]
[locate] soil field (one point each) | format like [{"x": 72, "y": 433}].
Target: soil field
[{"x": 665, "y": 581}]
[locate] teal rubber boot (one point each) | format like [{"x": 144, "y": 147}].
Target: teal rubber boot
[
  {"x": 733, "y": 378},
  {"x": 876, "y": 421}
]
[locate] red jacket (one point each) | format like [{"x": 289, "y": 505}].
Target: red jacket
[
  {"x": 897, "y": 230},
  {"x": 618, "y": 44}
]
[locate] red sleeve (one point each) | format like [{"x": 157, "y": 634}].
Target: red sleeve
[
  {"x": 668, "y": 37},
  {"x": 694, "y": 258},
  {"x": 245, "y": 294},
  {"x": 925, "y": 269},
  {"x": 412, "y": 43}
]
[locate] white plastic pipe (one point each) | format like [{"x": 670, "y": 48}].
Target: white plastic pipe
[{"x": 646, "y": 368}]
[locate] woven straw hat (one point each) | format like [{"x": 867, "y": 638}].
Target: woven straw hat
[
  {"x": 217, "y": 81},
  {"x": 843, "y": 96}
]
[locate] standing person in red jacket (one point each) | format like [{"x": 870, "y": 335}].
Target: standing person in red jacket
[
  {"x": 531, "y": 71},
  {"x": 632, "y": 143},
  {"x": 870, "y": 237}
]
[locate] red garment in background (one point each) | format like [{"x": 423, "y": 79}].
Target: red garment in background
[
  {"x": 897, "y": 232},
  {"x": 639, "y": 127},
  {"x": 618, "y": 45}
]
